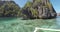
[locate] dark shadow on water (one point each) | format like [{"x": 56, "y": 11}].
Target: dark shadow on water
[
  {"x": 37, "y": 18},
  {"x": 7, "y": 18}
]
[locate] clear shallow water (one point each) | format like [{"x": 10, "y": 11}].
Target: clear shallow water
[{"x": 17, "y": 25}]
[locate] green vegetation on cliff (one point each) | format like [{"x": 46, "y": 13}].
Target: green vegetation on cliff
[
  {"x": 39, "y": 9},
  {"x": 32, "y": 9},
  {"x": 9, "y": 9}
]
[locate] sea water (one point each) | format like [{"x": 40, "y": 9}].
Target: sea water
[{"x": 13, "y": 24}]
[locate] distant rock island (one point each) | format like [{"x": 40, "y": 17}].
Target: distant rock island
[
  {"x": 35, "y": 9},
  {"x": 58, "y": 14},
  {"x": 39, "y": 9}
]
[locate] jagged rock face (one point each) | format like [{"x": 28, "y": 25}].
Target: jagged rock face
[
  {"x": 8, "y": 9},
  {"x": 27, "y": 14},
  {"x": 44, "y": 9},
  {"x": 46, "y": 12}
]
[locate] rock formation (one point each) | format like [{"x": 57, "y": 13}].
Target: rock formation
[
  {"x": 58, "y": 14},
  {"x": 9, "y": 9},
  {"x": 42, "y": 9}
]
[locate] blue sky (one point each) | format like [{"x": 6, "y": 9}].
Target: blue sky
[{"x": 55, "y": 3}]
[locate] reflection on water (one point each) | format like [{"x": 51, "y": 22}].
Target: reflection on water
[
  {"x": 18, "y": 25},
  {"x": 6, "y": 18}
]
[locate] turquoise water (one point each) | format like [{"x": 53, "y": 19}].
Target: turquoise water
[{"x": 12, "y": 24}]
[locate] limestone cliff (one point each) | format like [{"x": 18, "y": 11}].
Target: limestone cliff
[
  {"x": 40, "y": 9},
  {"x": 9, "y": 9}
]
